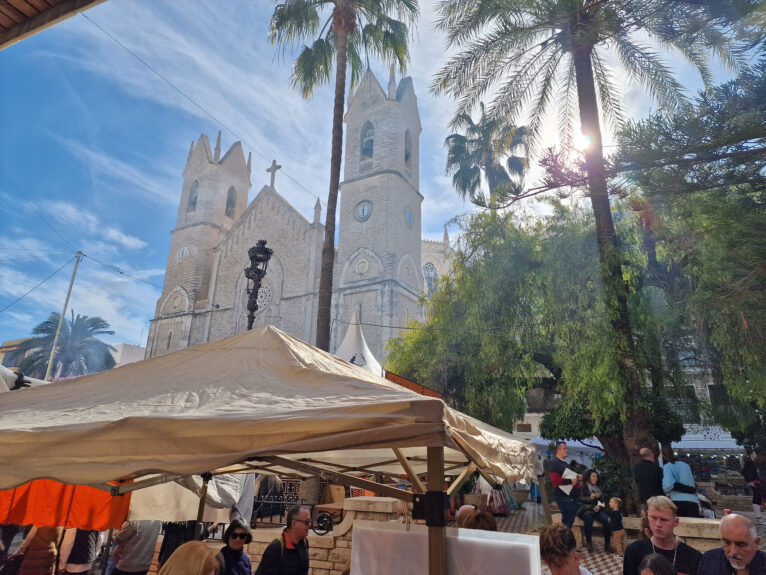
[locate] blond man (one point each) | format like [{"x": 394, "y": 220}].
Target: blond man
[{"x": 662, "y": 514}]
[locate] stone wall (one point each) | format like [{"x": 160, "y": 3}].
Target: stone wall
[{"x": 330, "y": 554}]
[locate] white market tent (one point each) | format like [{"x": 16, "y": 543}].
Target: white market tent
[{"x": 262, "y": 401}]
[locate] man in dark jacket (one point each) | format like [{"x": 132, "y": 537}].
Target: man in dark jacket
[
  {"x": 289, "y": 555},
  {"x": 739, "y": 552},
  {"x": 557, "y": 469},
  {"x": 648, "y": 476},
  {"x": 752, "y": 474}
]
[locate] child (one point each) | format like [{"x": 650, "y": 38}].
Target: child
[{"x": 615, "y": 522}]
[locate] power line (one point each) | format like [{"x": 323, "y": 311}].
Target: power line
[
  {"x": 197, "y": 105},
  {"x": 123, "y": 272},
  {"x": 46, "y": 222},
  {"x": 38, "y": 285}
]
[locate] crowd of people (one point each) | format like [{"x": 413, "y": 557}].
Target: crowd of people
[
  {"x": 666, "y": 493},
  {"x": 659, "y": 552},
  {"x": 181, "y": 553}
]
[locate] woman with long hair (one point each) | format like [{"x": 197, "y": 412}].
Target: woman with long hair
[{"x": 192, "y": 558}]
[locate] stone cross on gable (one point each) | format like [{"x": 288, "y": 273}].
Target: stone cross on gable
[{"x": 273, "y": 171}]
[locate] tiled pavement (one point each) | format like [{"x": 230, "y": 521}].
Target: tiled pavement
[{"x": 531, "y": 518}]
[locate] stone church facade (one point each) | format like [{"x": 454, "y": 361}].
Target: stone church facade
[{"x": 382, "y": 266}]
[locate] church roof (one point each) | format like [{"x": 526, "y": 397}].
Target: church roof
[{"x": 354, "y": 348}]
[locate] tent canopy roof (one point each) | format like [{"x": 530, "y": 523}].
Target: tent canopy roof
[{"x": 255, "y": 395}]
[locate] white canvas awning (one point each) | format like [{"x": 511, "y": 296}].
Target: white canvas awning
[{"x": 242, "y": 401}]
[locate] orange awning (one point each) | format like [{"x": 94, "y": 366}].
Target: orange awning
[{"x": 48, "y": 502}]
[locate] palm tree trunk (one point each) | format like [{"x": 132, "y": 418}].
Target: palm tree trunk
[
  {"x": 635, "y": 424},
  {"x": 342, "y": 20}
]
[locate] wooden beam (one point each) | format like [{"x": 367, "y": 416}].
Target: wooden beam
[
  {"x": 437, "y": 536},
  {"x": 54, "y": 15},
  {"x": 136, "y": 485},
  {"x": 338, "y": 477},
  {"x": 462, "y": 478},
  {"x": 417, "y": 486},
  {"x": 485, "y": 474}
]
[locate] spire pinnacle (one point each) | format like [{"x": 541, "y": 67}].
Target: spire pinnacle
[
  {"x": 217, "y": 156},
  {"x": 249, "y": 161},
  {"x": 317, "y": 211},
  {"x": 191, "y": 151},
  {"x": 446, "y": 237}
]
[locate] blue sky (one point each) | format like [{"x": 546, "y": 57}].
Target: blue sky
[{"x": 93, "y": 142}]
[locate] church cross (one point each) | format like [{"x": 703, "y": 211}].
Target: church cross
[{"x": 273, "y": 171}]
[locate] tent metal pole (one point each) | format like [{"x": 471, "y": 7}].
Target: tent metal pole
[
  {"x": 206, "y": 477},
  {"x": 437, "y": 535}
]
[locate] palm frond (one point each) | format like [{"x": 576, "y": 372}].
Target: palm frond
[
  {"x": 294, "y": 21},
  {"x": 646, "y": 67},
  {"x": 608, "y": 93},
  {"x": 565, "y": 103},
  {"x": 313, "y": 67}
]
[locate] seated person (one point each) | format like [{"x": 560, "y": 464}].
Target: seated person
[{"x": 591, "y": 509}]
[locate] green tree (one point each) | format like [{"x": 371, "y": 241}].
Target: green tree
[
  {"x": 339, "y": 31},
  {"x": 698, "y": 185},
  {"x": 554, "y": 49},
  {"x": 479, "y": 150},
  {"x": 524, "y": 308},
  {"x": 79, "y": 351}
]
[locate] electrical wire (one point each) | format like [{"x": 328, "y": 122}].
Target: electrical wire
[
  {"x": 196, "y": 104},
  {"x": 46, "y": 222},
  {"x": 122, "y": 272},
  {"x": 38, "y": 285}
]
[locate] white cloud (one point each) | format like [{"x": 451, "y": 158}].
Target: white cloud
[
  {"x": 157, "y": 188},
  {"x": 84, "y": 221}
]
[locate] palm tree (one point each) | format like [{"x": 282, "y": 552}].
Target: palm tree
[
  {"x": 79, "y": 350},
  {"x": 478, "y": 150},
  {"x": 532, "y": 52},
  {"x": 352, "y": 28}
]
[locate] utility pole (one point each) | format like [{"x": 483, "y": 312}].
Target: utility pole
[{"x": 63, "y": 316}]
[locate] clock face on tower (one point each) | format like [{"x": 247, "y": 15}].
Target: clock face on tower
[{"x": 363, "y": 210}]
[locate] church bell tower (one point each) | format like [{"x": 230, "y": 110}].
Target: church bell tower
[
  {"x": 378, "y": 264},
  {"x": 213, "y": 197}
]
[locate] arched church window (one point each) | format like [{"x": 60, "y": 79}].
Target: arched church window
[
  {"x": 170, "y": 338},
  {"x": 431, "y": 276},
  {"x": 192, "y": 205},
  {"x": 231, "y": 202},
  {"x": 367, "y": 141},
  {"x": 407, "y": 150}
]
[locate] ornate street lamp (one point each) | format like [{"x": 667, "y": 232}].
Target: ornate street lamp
[{"x": 259, "y": 256}]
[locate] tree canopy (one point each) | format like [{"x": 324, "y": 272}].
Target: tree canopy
[{"x": 79, "y": 350}]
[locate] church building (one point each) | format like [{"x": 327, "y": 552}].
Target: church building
[{"x": 382, "y": 266}]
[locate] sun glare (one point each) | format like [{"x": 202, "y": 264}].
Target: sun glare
[{"x": 581, "y": 142}]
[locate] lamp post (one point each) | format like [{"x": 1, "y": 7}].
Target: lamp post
[{"x": 259, "y": 256}]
